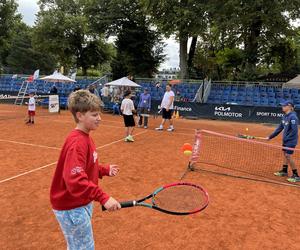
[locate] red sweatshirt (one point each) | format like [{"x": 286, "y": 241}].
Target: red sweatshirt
[{"x": 75, "y": 181}]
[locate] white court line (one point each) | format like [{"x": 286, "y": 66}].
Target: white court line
[
  {"x": 27, "y": 172},
  {"x": 50, "y": 164},
  {"x": 29, "y": 144}
]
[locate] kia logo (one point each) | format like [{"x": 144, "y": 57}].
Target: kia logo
[{"x": 222, "y": 109}]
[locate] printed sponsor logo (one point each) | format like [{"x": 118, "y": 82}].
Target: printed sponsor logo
[
  {"x": 95, "y": 155},
  {"x": 185, "y": 109},
  {"x": 269, "y": 114},
  {"x": 76, "y": 170},
  {"x": 5, "y": 96},
  {"x": 221, "y": 111}
]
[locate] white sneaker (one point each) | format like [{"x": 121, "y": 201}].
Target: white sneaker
[
  {"x": 170, "y": 129},
  {"x": 159, "y": 129},
  {"x": 145, "y": 127}
]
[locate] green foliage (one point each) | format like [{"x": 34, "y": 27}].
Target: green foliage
[
  {"x": 23, "y": 58},
  {"x": 135, "y": 53},
  {"x": 139, "y": 48},
  {"x": 232, "y": 39},
  {"x": 62, "y": 29},
  {"x": 185, "y": 18},
  {"x": 252, "y": 25},
  {"x": 8, "y": 20}
]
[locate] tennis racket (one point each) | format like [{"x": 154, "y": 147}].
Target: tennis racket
[
  {"x": 250, "y": 137},
  {"x": 176, "y": 199},
  {"x": 157, "y": 114}
]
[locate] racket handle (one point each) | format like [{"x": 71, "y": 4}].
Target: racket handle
[{"x": 124, "y": 204}]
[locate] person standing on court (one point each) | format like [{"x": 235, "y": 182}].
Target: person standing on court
[
  {"x": 105, "y": 94},
  {"x": 167, "y": 106},
  {"x": 144, "y": 108},
  {"x": 53, "y": 90}
]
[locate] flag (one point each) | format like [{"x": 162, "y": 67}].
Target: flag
[
  {"x": 30, "y": 78},
  {"x": 36, "y": 74}
]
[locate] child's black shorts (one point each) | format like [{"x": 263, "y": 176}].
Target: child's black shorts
[{"x": 129, "y": 121}]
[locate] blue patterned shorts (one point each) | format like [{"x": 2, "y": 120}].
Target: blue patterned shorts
[{"x": 76, "y": 226}]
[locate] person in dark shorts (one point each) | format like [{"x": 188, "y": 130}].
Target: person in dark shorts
[
  {"x": 289, "y": 126},
  {"x": 127, "y": 109},
  {"x": 167, "y": 106}
]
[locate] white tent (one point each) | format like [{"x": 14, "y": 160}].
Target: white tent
[
  {"x": 123, "y": 82},
  {"x": 57, "y": 77},
  {"x": 294, "y": 83}
]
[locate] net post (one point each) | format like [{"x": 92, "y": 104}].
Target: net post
[{"x": 195, "y": 154}]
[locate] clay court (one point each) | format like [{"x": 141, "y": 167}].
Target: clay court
[{"x": 242, "y": 214}]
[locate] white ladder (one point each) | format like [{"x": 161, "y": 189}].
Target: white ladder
[{"x": 22, "y": 92}]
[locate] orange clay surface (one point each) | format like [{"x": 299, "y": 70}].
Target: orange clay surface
[{"x": 241, "y": 215}]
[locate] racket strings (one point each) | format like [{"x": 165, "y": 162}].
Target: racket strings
[{"x": 181, "y": 198}]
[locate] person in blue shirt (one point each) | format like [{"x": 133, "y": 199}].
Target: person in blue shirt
[
  {"x": 144, "y": 108},
  {"x": 289, "y": 126}
]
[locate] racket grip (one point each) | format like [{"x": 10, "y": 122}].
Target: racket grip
[{"x": 124, "y": 204}]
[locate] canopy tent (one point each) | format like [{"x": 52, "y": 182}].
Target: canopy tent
[
  {"x": 123, "y": 82},
  {"x": 294, "y": 83},
  {"x": 57, "y": 77}
]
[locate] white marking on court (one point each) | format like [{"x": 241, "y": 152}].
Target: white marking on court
[
  {"x": 27, "y": 172},
  {"x": 29, "y": 144},
  {"x": 53, "y": 163}
]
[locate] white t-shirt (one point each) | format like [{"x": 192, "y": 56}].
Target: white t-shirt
[
  {"x": 127, "y": 106},
  {"x": 166, "y": 100},
  {"x": 31, "y": 104}
]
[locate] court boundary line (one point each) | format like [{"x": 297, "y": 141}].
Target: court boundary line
[
  {"x": 29, "y": 144},
  {"x": 50, "y": 164}
]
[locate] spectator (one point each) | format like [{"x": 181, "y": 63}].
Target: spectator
[
  {"x": 53, "y": 90},
  {"x": 144, "y": 108},
  {"x": 157, "y": 85},
  {"x": 105, "y": 94},
  {"x": 93, "y": 90}
]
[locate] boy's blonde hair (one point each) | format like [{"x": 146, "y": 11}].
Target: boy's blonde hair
[{"x": 83, "y": 101}]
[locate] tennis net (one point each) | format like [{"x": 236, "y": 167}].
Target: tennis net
[
  {"x": 237, "y": 157},
  {"x": 8, "y": 110}
]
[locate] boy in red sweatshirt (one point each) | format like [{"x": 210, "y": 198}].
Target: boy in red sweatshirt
[{"x": 75, "y": 182}]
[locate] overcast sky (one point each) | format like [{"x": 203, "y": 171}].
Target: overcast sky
[{"x": 28, "y": 9}]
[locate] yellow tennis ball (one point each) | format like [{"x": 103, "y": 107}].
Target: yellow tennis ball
[
  {"x": 247, "y": 129},
  {"x": 187, "y": 153}
]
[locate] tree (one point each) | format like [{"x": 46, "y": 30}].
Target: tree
[
  {"x": 139, "y": 48},
  {"x": 135, "y": 53},
  {"x": 62, "y": 29},
  {"x": 23, "y": 58},
  {"x": 254, "y": 23},
  {"x": 230, "y": 60},
  {"x": 184, "y": 18},
  {"x": 8, "y": 20}
]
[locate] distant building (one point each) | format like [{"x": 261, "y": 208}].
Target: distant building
[{"x": 168, "y": 74}]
